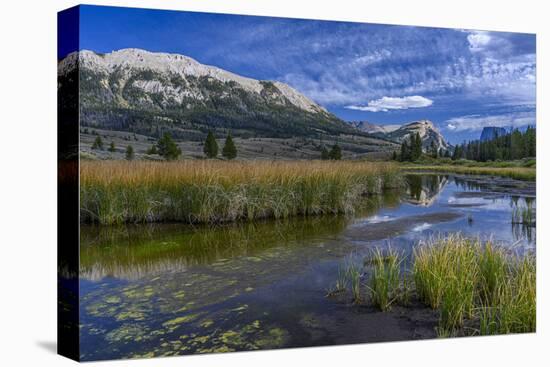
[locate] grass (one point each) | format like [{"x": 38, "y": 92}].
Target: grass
[
  {"x": 465, "y": 279},
  {"x": 518, "y": 173},
  {"x": 385, "y": 278},
  {"x": 525, "y": 162},
  {"x": 206, "y": 191},
  {"x": 349, "y": 274},
  {"x": 512, "y": 308},
  {"x": 477, "y": 288},
  {"x": 524, "y": 215}
]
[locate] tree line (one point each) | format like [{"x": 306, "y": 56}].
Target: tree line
[
  {"x": 513, "y": 145},
  {"x": 167, "y": 148}
]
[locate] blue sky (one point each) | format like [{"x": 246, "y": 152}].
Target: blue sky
[{"x": 462, "y": 80}]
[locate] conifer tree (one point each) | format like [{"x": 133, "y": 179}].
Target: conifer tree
[
  {"x": 336, "y": 152},
  {"x": 229, "y": 149},
  {"x": 98, "y": 143},
  {"x": 167, "y": 148},
  {"x": 129, "y": 152},
  {"x": 325, "y": 155},
  {"x": 210, "y": 146}
]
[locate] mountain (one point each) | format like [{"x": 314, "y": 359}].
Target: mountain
[
  {"x": 398, "y": 133},
  {"x": 491, "y": 132},
  {"x": 427, "y": 131},
  {"x": 148, "y": 93},
  {"x": 373, "y": 128}
]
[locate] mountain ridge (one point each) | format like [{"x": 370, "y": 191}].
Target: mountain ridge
[{"x": 142, "y": 91}]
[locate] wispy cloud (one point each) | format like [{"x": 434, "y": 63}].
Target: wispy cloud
[
  {"x": 478, "y": 122},
  {"x": 393, "y": 103}
]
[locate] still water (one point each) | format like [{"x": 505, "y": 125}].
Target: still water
[{"x": 172, "y": 289}]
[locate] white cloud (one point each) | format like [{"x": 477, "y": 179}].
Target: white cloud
[
  {"x": 393, "y": 103},
  {"x": 478, "y": 40},
  {"x": 478, "y": 122}
]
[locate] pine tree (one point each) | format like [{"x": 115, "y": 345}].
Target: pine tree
[
  {"x": 112, "y": 147},
  {"x": 152, "y": 150},
  {"x": 98, "y": 143},
  {"x": 129, "y": 152},
  {"x": 229, "y": 150},
  {"x": 325, "y": 155},
  {"x": 405, "y": 151},
  {"x": 416, "y": 147},
  {"x": 394, "y": 156},
  {"x": 167, "y": 148},
  {"x": 210, "y": 146},
  {"x": 336, "y": 152}
]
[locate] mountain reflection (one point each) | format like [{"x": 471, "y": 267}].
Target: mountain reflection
[{"x": 423, "y": 189}]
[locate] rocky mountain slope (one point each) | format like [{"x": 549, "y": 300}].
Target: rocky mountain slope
[
  {"x": 371, "y": 128},
  {"x": 149, "y": 93},
  {"x": 427, "y": 130}
]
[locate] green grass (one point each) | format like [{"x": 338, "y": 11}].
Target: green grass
[
  {"x": 349, "y": 275},
  {"x": 385, "y": 279},
  {"x": 114, "y": 192},
  {"x": 518, "y": 173},
  {"x": 477, "y": 288},
  {"x": 524, "y": 215},
  {"x": 467, "y": 280},
  {"x": 512, "y": 308}
]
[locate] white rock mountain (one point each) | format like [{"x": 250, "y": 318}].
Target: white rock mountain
[
  {"x": 138, "y": 90},
  {"x": 149, "y": 93},
  {"x": 428, "y": 132}
]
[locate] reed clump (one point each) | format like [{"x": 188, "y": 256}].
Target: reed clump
[
  {"x": 477, "y": 287},
  {"x": 468, "y": 280},
  {"x": 385, "y": 280},
  {"x": 524, "y": 215},
  {"x": 114, "y": 192}
]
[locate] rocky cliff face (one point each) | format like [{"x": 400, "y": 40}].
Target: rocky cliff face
[
  {"x": 491, "y": 132},
  {"x": 143, "y": 91},
  {"x": 398, "y": 133}
]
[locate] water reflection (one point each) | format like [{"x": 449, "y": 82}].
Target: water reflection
[
  {"x": 423, "y": 189},
  {"x": 130, "y": 252},
  {"x": 153, "y": 290}
]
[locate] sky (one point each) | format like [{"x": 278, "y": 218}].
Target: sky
[{"x": 462, "y": 80}]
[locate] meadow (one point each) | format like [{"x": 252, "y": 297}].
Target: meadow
[
  {"x": 210, "y": 191},
  {"x": 515, "y": 172}
]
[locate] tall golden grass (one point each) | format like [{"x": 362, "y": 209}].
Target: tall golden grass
[{"x": 216, "y": 191}]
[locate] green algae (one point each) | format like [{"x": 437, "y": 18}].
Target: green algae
[
  {"x": 275, "y": 338},
  {"x": 127, "y": 332},
  {"x": 180, "y": 320}
]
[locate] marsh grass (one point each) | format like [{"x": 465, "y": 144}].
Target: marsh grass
[
  {"x": 469, "y": 282},
  {"x": 210, "y": 191},
  {"x": 524, "y": 215},
  {"x": 384, "y": 285},
  {"x": 465, "y": 279},
  {"x": 512, "y": 307},
  {"x": 349, "y": 275},
  {"x": 518, "y": 173}
]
